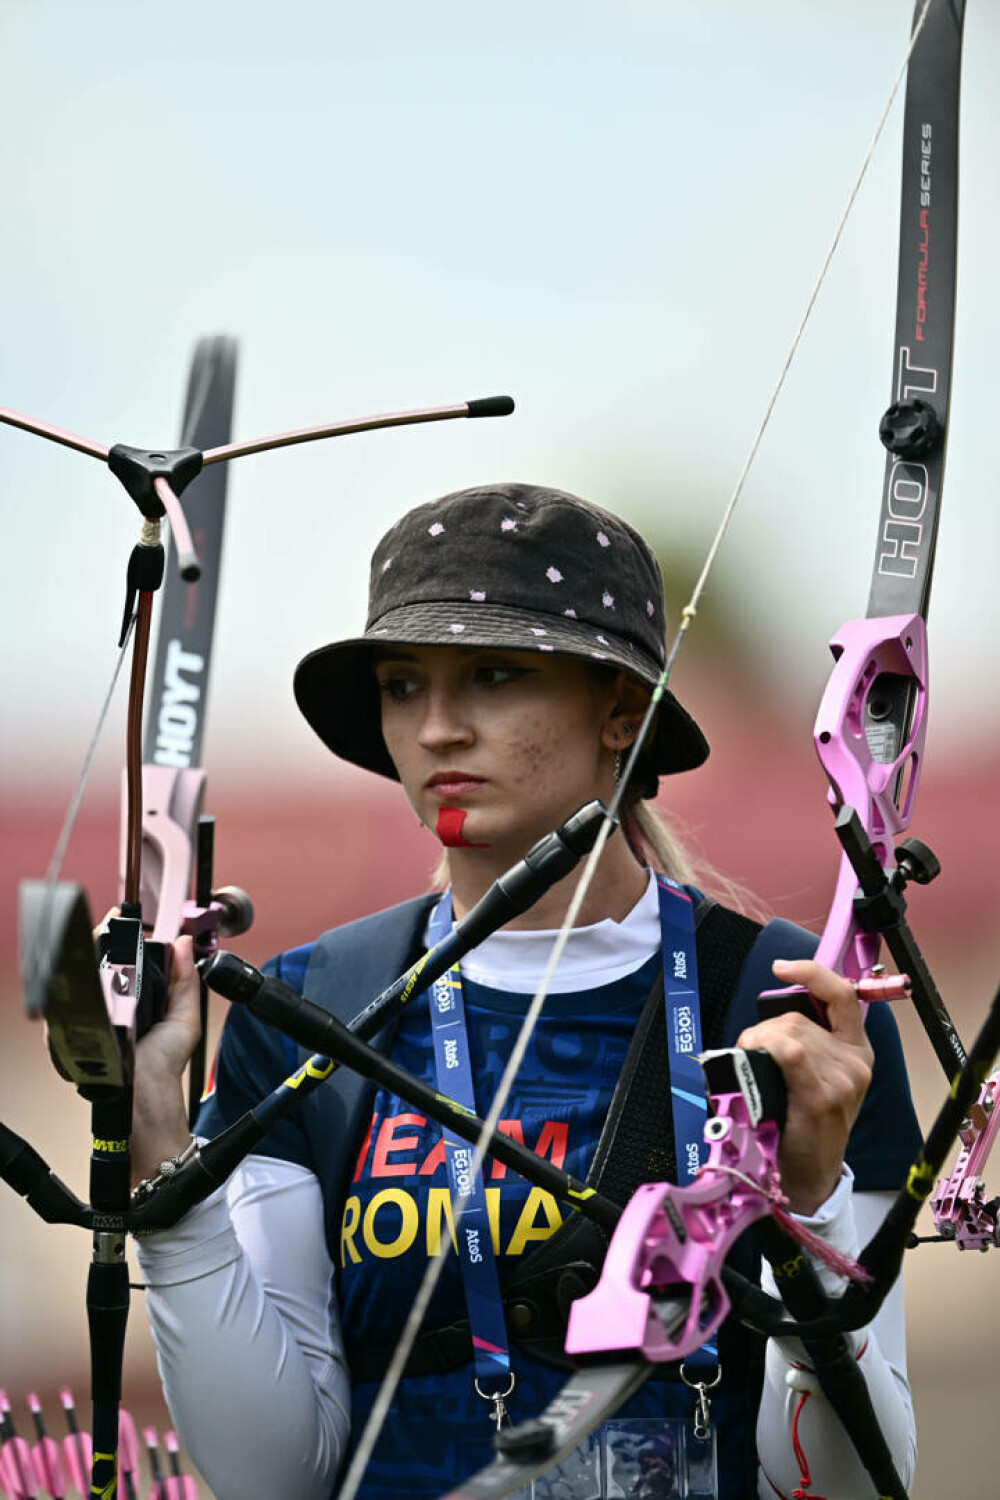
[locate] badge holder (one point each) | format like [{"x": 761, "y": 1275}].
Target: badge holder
[{"x": 648, "y": 1458}]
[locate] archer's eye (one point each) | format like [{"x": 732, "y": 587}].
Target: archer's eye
[
  {"x": 498, "y": 674},
  {"x": 397, "y": 687}
]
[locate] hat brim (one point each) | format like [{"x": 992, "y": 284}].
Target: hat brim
[{"x": 336, "y": 690}]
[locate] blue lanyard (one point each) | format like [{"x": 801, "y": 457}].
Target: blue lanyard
[
  {"x": 453, "y": 1068},
  {"x": 688, "y": 1104},
  {"x": 683, "y": 1015},
  {"x": 476, "y": 1258}
]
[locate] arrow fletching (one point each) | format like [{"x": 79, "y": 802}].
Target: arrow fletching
[
  {"x": 45, "y": 1455},
  {"x": 128, "y": 1454},
  {"x": 177, "y": 1486},
  {"x": 77, "y": 1449}
]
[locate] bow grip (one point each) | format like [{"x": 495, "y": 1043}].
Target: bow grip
[{"x": 660, "y": 1294}]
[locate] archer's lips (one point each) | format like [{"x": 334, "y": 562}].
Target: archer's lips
[{"x": 446, "y": 785}]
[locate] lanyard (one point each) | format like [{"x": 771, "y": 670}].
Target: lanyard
[
  {"x": 688, "y": 1103},
  {"x": 476, "y": 1257},
  {"x": 453, "y": 1065}
]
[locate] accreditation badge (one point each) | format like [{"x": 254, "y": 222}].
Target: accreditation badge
[{"x": 647, "y": 1458}]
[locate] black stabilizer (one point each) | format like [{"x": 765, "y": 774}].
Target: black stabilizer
[
  {"x": 491, "y": 406},
  {"x": 277, "y": 1004},
  {"x": 832, "y": 1358},
  {"x": 27, "y": 1173},
  {"x": 137, "y": 468},
  {"x": 199, "y": 1177},
  {"x": 549, "y": 860},
  {"x": 553, "y": 857},
  {"x": 520, "y": 887},
  {"x": 880, "y": 906}
]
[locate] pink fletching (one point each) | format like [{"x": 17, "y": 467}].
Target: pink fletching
[
  {"x": 128, "y": 1443},
  {"x": 77, "y": 1454},
  {"x": 178, "y": 1486},
  {"x": 152, "y": 1442},
  {"x": 49, "y": 1469},
  {"x": 18, "y": 1470}
]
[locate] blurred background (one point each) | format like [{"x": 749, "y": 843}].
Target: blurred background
[{"x": 613, "y": 212}]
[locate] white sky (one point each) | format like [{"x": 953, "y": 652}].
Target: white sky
[{"x": 613, "y": 211}]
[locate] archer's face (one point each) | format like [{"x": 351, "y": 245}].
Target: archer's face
[{"x": 517, "y": 740}]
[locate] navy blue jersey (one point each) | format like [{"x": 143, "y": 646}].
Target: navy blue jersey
[{"x": 381, "y": 1166}]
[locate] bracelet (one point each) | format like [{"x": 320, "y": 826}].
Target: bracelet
[{"x": 167, "y": 1169}]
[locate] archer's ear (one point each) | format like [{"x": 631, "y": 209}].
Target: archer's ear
[{"x": 629, "y": 704}]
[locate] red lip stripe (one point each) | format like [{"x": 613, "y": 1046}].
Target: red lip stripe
[{"x": 449, "y": 829}]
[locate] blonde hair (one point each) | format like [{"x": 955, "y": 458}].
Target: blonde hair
[{"x": 654, "y": 842}]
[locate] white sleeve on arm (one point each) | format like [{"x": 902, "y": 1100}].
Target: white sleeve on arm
[
  {"x": 247, "y": 1335},
  {"x": 847, "y": 1220}
]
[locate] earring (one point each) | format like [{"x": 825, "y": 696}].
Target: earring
[{"x": 628, "y": 730}]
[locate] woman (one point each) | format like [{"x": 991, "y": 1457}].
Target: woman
[{"x": 514, "y": 635}]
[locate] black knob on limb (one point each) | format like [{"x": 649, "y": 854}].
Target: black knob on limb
[
  {"x": 910, "y": 428},
  {"x": 916, "y": 861}
]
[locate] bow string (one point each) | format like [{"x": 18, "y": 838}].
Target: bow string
[{"x": 886, "y": 702}]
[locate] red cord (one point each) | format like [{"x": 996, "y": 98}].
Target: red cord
[{"x": 805, "y": 1478}]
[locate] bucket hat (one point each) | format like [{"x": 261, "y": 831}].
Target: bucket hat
[{"x": 517, "y": 566}]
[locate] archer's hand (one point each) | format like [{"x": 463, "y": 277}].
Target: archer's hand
[
  {"x": 826, "y": 1073},
  {"x": 159, "y": 1116}
]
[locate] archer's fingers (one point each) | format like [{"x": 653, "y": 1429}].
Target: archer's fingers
[
  {"x": 184, "y": 1002},
  {"x": 836, "y": 994}
]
